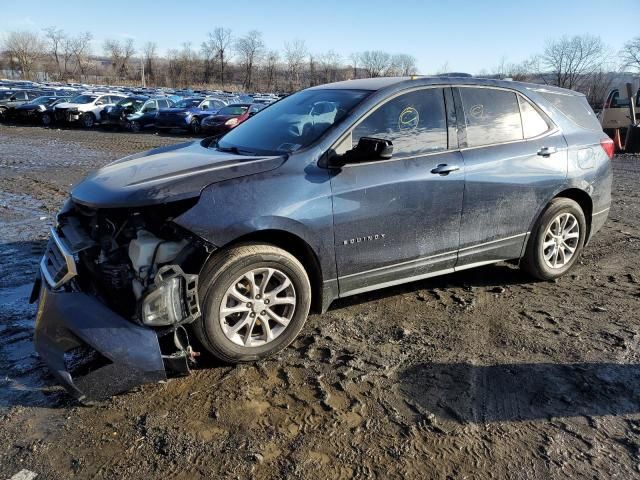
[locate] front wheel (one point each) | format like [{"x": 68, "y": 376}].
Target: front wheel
[
  {"x": 556, "y": 241},
  {"x": 254, "y": 301},
  {"x": 194, "y": 126},
  {"x": 46, "y": 119},
  {"x": 88, "y": 120},
  {"x": 133, "y": 127}
]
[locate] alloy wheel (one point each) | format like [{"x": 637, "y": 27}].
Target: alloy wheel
[
  {"x": 561, "y": 240},
  {"x": 257, "y": 307}
]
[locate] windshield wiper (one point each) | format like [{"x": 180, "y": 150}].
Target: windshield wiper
[{"x": 234, "y": 150}]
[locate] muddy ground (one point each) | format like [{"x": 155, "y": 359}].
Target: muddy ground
[{"x": 481, "y": 374}]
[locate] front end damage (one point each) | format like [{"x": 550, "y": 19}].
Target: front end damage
[{"x": 116, "y": 288}]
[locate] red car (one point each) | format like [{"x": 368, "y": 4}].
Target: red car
[{"x": 227, "y": 118}]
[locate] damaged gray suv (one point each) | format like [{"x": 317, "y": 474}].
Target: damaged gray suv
[{"x": 333, "y": 191}]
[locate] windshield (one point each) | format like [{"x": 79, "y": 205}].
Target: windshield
[
  {"x": 6, "y": 94},
  {"x": 233, "y": 110},
  {"x": 133, "y": 103},
  {"x": 294, "y": 122},
  {"x": 84, "y": 99},
  {"x": 188, "y": 103}
]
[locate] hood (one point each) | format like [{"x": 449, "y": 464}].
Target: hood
[
  {"x": 66, "y": 105},
  {"x": 221, "y": 118},
  {"x": 165, "y": 175},
  {"x": 28, "y": 106}
]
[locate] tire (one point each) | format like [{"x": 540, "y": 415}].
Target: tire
[
  {"x": 194, "y": 126},
  {"x": 534, "y": 262},
  {"x": 133, "y": 127},
  {"x": 225, "y": 270},
  {"x": 88, "y": 120},
  {"x": 46, "y": 120},
  {"x": 3, "y": 113}
]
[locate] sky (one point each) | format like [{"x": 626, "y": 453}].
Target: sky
[{"x": 462, "y": 36}]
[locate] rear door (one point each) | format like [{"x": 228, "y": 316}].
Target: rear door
[
  {"x": 514, "y": 159},
  {"x": 396, "y": 220}
]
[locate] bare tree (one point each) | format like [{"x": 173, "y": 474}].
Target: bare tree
[
  {"x": 329, "y": 63},
  {"x": 250, "y": 49},
  {"x": 375, "y": 62},
  {"x": 403, "y": 65},
  {"x": 571, "y": 60},
  {"x": 272, "y": 58},
  {"x": 56, "y": 39},
  {"x": 80, "y": 47},
  {"x": 295, "y": 53},
  {"x": 220, "y": 41},
  {"x": 596, "y": 88},
  {"x": 630, "y": 54},
  {"x": 149, "y": 53},
  {"x": 24, "y": 50},
  {"x": 355, "y": 61}
]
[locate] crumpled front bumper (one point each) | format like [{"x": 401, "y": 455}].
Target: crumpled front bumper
[{"x": 91, "y": 350}]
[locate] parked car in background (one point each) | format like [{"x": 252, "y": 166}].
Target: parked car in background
[
  {"x": 135, "y": 113},
  {"x": 32, "y": 110},
  {"x": 12, "y": 99},
  {"x": 188, "y": 113},
  {"x": 227, "y": 118},
  {"x": 47, "y": 117},
  {"x": 85, "y": 108}
]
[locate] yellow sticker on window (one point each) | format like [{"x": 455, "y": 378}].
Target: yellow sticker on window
[{"x": 408, "y": 119}]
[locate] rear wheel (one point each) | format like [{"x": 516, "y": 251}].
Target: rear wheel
[
  {"x": 254, "y": 299},
  {"x": 556, "y": 241}
]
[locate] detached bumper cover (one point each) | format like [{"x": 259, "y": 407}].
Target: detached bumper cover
[{"x": 124, "y": 354}]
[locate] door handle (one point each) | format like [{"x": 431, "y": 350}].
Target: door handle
[
  {"x": 547, "y": 151},
  {"x": 444, "y": 169}
]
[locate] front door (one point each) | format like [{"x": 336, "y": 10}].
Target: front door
[{"x": 398, "y": 219}]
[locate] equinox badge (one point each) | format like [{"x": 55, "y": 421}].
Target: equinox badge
[{"x": 367, "y": 238}]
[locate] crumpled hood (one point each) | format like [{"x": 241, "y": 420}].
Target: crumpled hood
[{"x": 165, "y": 174}]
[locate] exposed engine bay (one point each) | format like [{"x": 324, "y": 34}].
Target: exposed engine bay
[{"x": 139, "y": 263}]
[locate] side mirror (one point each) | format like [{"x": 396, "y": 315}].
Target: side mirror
[{"x": 368, "y": 149}]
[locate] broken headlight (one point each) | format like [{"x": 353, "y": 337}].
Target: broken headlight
[{"x": 174, "y": 299}]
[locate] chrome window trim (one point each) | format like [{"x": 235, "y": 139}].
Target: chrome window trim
[{"x": 553, "y": 128}]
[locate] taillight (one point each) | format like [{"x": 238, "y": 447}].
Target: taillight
[{"x": 608, "y": 147}]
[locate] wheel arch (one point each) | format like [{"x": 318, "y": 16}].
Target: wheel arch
[
  {"x": 297, "y": 247},
  {"x": 583, "y": 199},
  {"x": 579, "y": 196}
]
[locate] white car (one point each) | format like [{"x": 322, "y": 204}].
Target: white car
[{"x": 85, "y": 108}]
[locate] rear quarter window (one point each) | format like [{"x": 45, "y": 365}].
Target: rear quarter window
[{"x": 575, "y": 108}]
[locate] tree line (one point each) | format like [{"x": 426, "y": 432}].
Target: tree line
[
  {"x": 229, "y": 61},
  {"x": 222, "y": 60}
]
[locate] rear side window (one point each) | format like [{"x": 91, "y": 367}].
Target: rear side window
[
  {"x": 574, "y": 107},
  {"x": 533, "y": 124},
  {"x": 492, "y": 116},
  {"x": 415, "y": 123}
]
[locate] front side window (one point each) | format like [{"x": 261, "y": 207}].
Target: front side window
[
  {"x": 414, "y": 122},
  {"x": 492, "y": 116},
  {"x": 533, "y": 124}
]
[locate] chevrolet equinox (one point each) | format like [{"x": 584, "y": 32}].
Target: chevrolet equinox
[{"x": 332, "y": 191}]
